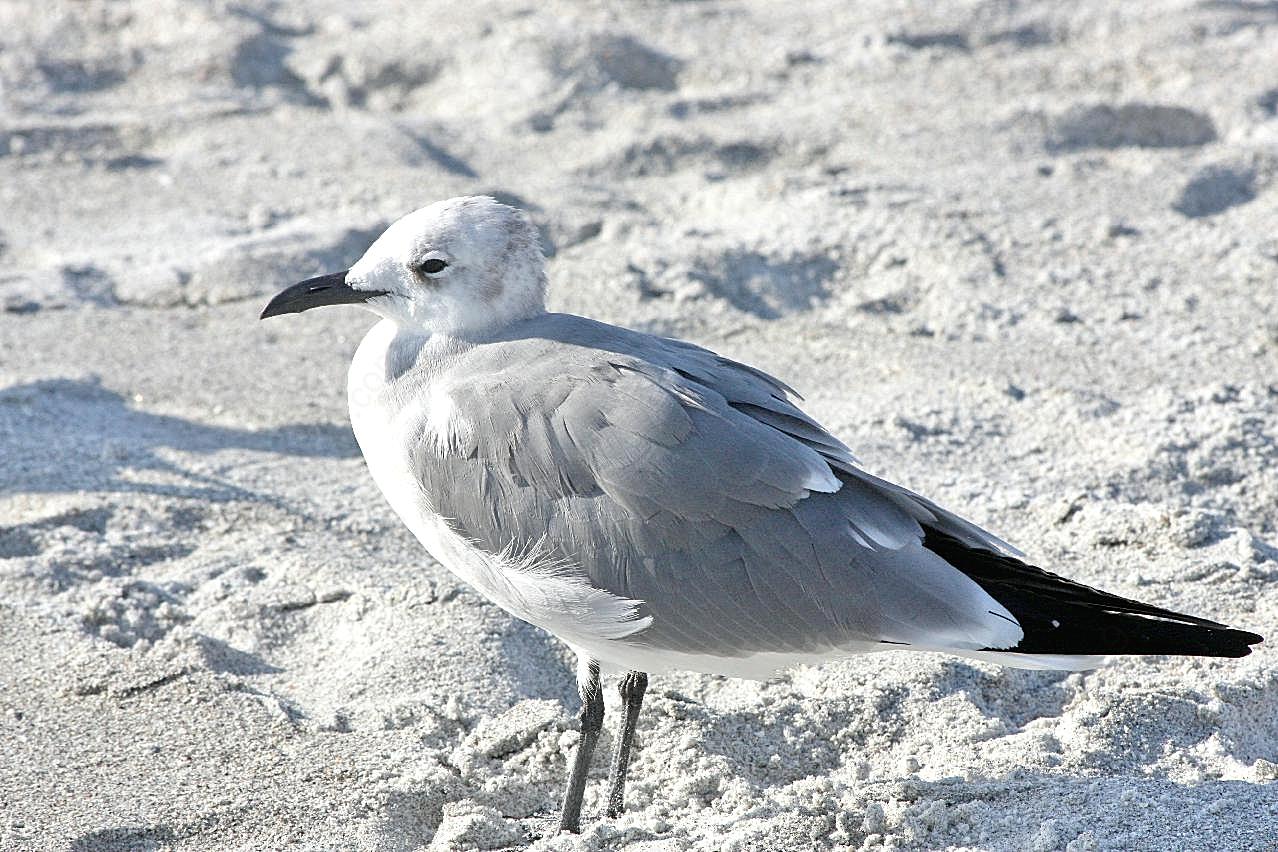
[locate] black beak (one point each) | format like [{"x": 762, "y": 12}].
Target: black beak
[{"x": 330, "y": 289}]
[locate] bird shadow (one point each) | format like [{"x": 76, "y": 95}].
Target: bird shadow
[{"x": 70, "y": 435}]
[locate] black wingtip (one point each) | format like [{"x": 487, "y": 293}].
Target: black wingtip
[
  {"x": 1243, "y": 641},
  {"x": 1060, "y": 616}
]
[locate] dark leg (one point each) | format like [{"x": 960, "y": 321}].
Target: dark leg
[
  {"x": 592, "y": 712},
  {"x": 632, "y": 688}
]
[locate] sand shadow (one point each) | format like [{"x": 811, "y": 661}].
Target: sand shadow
[
  {"x": 126, "y": 838},
  {"x": 225, "y": 659},
  {"x": 1013, "y": 696},
  {"x": 142, "y": 838},
  {"x": 538, "y": 665},
  {"x": 69, "y": 435},
  {"x": 752, "y": 747},
  {"x": 1246, "y": 807}
]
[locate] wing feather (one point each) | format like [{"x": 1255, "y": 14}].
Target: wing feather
[{"x": 668, "y": 475}]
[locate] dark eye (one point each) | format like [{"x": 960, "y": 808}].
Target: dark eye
[{"x": 431, "y": 265}]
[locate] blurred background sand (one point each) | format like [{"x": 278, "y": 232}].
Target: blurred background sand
[{"x": 1022, "y": 256}]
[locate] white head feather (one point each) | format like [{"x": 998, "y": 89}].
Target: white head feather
[{"x": 458, "y": 267}]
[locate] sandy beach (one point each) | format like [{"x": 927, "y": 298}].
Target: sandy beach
[{"x": 1021, "y": 256}]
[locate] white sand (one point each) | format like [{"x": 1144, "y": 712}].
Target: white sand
[{"x": 1022, "y": 257}]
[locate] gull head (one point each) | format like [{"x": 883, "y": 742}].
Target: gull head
[{"x": 457, "y": 267}]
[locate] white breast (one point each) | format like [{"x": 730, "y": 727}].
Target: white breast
[{"x": 520, "y": 580}]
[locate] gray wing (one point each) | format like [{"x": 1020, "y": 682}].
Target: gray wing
[{"x": 668, "y": 475}]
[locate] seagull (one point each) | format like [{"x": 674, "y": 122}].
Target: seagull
[{"x": 659, "y": 507}]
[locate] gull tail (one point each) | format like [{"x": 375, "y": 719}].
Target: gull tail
[{"x": 1066, "y": 623}]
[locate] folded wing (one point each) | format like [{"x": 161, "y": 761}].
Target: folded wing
[{"x": 667, "y": 475}]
